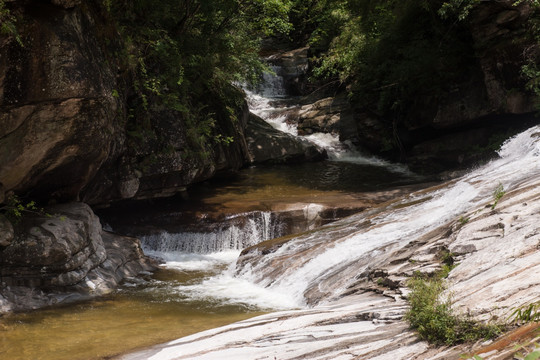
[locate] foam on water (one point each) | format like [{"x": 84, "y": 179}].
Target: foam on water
[
  {"x": 258, "y": 287},
  {"x": 194, "y": 262},
  {"x": 266, "y": 101},
  {"x": 215, "y": 254},
  {"x": 346, "y": 152},
  {"x": 220, "y": 285},
  {"x": 228, "y": 289},
  {"x": 520, "y": 158}
]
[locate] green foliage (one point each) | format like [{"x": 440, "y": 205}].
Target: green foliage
[
  {"x": 498, "y": 193},
  {"x": 531, "y": 72},
  {"x": 396, "y": 55},
  {"x": 527, "y": 313},
  {"x": 181, "y": 55},
  {"x": 459, "y": 9},
  {"x": 14, "y": 209},
  {"x": 535, "y": 355},
  {"x": 8, "y": 23},
  {"x": 432, "y": 315},
  {"x": 447, "y": 258}
]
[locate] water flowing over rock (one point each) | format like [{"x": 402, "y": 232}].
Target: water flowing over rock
[
  {"x": 353, "y": 273},
  {"x": 64, "y": 257},
  {"x": 267, "y": 144},
  {"x": 234, "y": 233}
]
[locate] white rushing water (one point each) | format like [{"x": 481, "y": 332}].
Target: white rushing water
[
  {"x": 520, "y": 158},
  {"x": 215, "y": 254},
  {"x": 235, "y": 233},
  {"x": 267, "y": 102},
  {"x": 313, "y": 258}
]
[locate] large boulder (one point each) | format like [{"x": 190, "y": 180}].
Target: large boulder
[
  {"x": 168, "y": 157},
  {"x": 327, "y": 115},
  {"x": 498, "y": 31},
  {"x": 65, "y": 254},
  {"x": 266, "y": 144},
  {"x": 485, "y": 101},
  {"x": 65, "y": 129}
]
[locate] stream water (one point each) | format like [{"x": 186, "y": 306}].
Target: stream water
[{"x": 196, "y": 287}]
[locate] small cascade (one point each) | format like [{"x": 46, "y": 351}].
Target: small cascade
[
  {"x": 235, "y": 233},
  {"x": 272, "y": 85},
  {"x": 356, "y": 242},
  {"x": 270, "y": 101}
]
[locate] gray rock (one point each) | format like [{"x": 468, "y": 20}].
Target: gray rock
[
  {"x": 65, "y": 257},
  {"x": 266, "y": 144},
  {"x": 328, "y": 115},
  {"x": 462, "y": 249},
  {"x": 128, "y": 188},
  {"x": 6, "y": 232}
]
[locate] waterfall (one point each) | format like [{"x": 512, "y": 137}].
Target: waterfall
[
  {"x": 269, "y": 100},
  {"x": 329, "y": 260},
  {"x": 214, "y": 253},
  {"x": 236, "y": 233}
]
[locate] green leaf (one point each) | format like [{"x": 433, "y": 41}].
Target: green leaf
[{"x": 533, "y": 356}]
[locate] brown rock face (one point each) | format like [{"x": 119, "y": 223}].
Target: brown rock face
[
  {"x": 328, "y": 115},
  {"x": 484, "y": 102},
  {"x": 6, "y": 232},
  {"x": 56, "y": 107},
  {"x": 64, "y": 136},
  {"x": 498, "y": 32}
]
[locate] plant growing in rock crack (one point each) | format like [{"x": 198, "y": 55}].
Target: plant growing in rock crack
[
  {"x": 463, "y": 220},
  {"x": 526, "y": 313},
  {"x": 8, "y": 23},
  {"x": 497, "y": 195},
  {"x": 14, "y": 209},
  {"x": 432, "y": 316}
]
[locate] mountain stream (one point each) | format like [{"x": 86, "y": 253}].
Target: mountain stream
[{"x": 199, "y": 241}]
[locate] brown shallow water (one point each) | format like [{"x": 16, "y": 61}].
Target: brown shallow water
[
  {"x": 269, "y": 188},
  {"x": 135, "y": 317}
]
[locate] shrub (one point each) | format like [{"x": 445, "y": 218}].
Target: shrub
[{"x": 432, "y": 315}]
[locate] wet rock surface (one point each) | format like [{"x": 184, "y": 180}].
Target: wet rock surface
[
  {"x": 266, "y": 144},
  {"x": 64, "y": 257},
  {"x": 328, "y": 115},
  {"x": 353, "y": 273}
]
